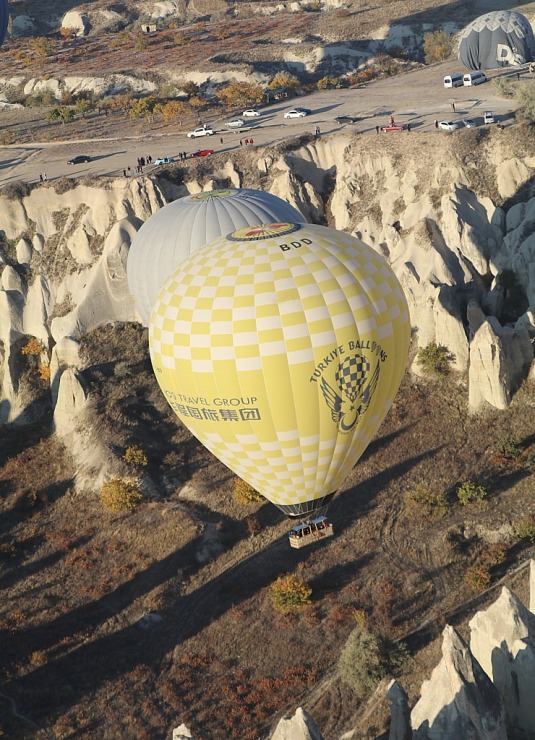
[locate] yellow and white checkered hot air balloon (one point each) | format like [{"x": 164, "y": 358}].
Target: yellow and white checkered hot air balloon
[{"x": 281, "y": 347}]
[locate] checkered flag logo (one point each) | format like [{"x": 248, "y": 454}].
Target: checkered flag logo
[{"x": 350, "y": 378}]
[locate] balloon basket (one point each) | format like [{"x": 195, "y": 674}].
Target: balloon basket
[{"x": 310, "y": 531}]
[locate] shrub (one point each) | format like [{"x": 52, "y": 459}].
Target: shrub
[
  {"x": 244, "y": 493},
  {"x": 33, "y": 347},
  {"x": 136, "y": 456},
  {"x": 289, "y": 593},
  {"x": 494, "y": 554},
  {"x": 368, "y": 657},
  {"x": 16, "y": 190},
  {"x": 431, "y": 504},
  {"x": 509, "y": 448},
  {"x": 478, "y": 578},
  {"x": 253, "y": 526},
  {"x": 438, "y": 46},
  {"x": 525, "y": 528},
  {"x": 120, "y": 495},
  {"x": 435, "y": 359},
  {"x": 468, "y": 492}
]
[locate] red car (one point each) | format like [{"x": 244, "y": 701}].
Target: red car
[
  {"x": 395, "y": 127},
  {"x": 202, "y": 153}
]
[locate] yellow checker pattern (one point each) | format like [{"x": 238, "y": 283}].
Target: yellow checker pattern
[{"x": 281, "y": 348}]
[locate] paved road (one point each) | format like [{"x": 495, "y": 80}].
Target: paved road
[{"x": 418, "y": 97}]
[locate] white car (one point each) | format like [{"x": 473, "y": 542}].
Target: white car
[
  {"x": 448, "y": 125},
  {"x": 235, "y": 123},
  {"x": 201, "y": 131},
  {"x": 295, "y": 113},
  {"x": 488, "y": 117},
  {"x": 250, "y": 113}
]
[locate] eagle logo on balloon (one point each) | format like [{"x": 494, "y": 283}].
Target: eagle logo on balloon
[{"x": 354, "y": 395}]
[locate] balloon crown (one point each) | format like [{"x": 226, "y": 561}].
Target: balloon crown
[{"x": 263, "y": 231}]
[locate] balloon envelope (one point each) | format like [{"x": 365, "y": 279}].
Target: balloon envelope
[
  {"x": 186, "y": 224},
  {"x": 501, "y": 38},
  {"x": 281, "y": 348},
  {"x": 4, "y": 17}
]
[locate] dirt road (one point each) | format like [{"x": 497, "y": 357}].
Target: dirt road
[{"x": 417, "y": 97}]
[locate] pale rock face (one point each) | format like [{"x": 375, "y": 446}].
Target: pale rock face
[
  {"x": 164, "y": 9},
  {"x": 23, "y": 25},
  {"x": 500, "y": 357},
  {"x": 182, "y": 733},
  {"x": 102, "y": 295},
  {"x": 78, "y": 21},
  {"x": 24, "y": 252},
  {"x": 65, "y": 354},
  {"x": 11, "y": 280},
  {"x": 449, "y": 329},
  {"x": 459, "y": 700},
  {"x": 71, "y": 401},
  {"x": 400, "y": 725},
  {"x": 299, "y": 727},
  {"x": 503, "y": 641}
]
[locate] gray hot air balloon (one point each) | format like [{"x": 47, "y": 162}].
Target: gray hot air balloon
[
  {"x": 178, "y": 229},
  {"x": 4, "y": 17},
  {"x": 502, "y": 38}
]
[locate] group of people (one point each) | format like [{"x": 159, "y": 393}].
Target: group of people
[
  {"x": 42, "y": 177},
  {"x": 246, "y": 141},
  {"x": 141, "y": 162}
]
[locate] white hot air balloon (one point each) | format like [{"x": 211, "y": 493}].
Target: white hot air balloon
[{"x": 180, "y": 228}]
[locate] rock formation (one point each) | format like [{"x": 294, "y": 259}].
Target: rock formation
[
  {"x": 299, "y": 727},
  {"x": 503, "y": 641},
  {"x": 459, "y": 700},
  {"x": 400, "y": 725}
]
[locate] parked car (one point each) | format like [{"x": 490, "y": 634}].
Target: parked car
[
  {"x": 470, "y": 122},
  {"x": 392, "y": 127},
  {"x": 488, "y": 117},
  {"x": 448, "y": 125},
  {"x": 200, "y": 131},
  {"x": 79, "y": 159},
  {"x": 235, "y": 123},
  {"x": 296, "y": 113},
  {"x": 345, "y": 119},
  {"x": 163, "y": 160},
  {"x": 251, "y": 113},
  {"x": 202, "y": 153}
]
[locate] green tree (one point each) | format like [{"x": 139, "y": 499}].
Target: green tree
[
  {"x": 83, "y": 106},
  {"x": 366, "y": 658},
  {"x": 438, "y": 46},
  {"x": 327, "y": 83},
  {"x": 142, "y": 107},
  {"x": 62, "y": 114},
  {"x": 435, "y": 359},
  {"x": 427, "y": 502}
]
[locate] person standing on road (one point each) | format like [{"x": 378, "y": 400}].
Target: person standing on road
[
  {"x": 377, "y": 129},
  {"x": 436, "y": 123},
  {"x": 392, "y": 120},
  {"x": 44, "y": 176},
  {"x": 40, "y": 177},
  {"x": 408, "y": 127},
  {"x": 453, "y": 107}
]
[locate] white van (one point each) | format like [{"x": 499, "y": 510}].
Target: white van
[
  {"x": 455, "y": 80},
  {"x": 474, "y": 78}
]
